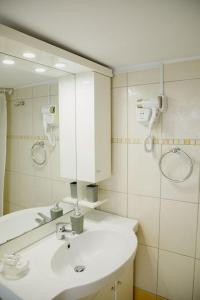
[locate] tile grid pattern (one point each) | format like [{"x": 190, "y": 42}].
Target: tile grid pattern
[{"x": 168, "y": 258}]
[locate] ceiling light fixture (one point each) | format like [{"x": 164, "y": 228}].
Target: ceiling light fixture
[
  {"x": 59, "y": 65},
  {"x": 40, "y": 70},
  {"x": 8, "y": 62},
  {"x": 29, "y": 55}
]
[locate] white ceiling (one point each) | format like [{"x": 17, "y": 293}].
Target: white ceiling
[{"x": 113, "y": 32}]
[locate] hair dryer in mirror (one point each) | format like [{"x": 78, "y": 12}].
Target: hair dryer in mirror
[
  {"x": 147, "y": 113},
  {"x": 49, "y": 117}
]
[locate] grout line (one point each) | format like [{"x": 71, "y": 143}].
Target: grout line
[
  {"x": 156, "y": 82},
  {"x": 159, "y": 221},
  {"x": 169, "y": 251},
  {"x": 196, "y": 240}
]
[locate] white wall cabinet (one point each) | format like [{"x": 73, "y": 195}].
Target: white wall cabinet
[{"x": 85, "y": 127}]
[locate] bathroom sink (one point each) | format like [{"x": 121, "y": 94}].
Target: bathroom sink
[
  {"x": 96, "y": 258},
  {"x": 93, "y": 256}
]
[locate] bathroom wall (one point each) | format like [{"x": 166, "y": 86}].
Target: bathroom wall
[
  {"x": 26, "y": 184},
  {"x": 168, "y": 257}
]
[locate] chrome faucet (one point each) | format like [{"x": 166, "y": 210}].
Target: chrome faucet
[
  {"x": 61, "y": 232},
  {"x": 43, "y": 219}
]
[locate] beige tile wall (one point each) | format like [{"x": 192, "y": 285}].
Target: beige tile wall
[
  {"x": 26, "y": 184},
  {"x": 168, "y": 257}
]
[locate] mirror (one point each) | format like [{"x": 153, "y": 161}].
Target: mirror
[{"x": 29, "y": 146}]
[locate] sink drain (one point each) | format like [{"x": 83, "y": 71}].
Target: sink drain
[{"x": 79, "y": 269}]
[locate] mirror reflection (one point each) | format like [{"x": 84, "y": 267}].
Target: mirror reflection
[{"x": 31, "y": 188}]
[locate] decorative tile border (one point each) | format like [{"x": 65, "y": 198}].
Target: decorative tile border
[
  {"x": 29, "y": 137},
  {"x": 158, "y": 141},
  {"x": 119, "y": 140}
]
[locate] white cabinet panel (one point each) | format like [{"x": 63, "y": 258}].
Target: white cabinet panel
[{"x": 85, "y": 127}]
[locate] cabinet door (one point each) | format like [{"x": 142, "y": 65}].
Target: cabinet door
[
  {"x": 106, "y": 293},
  {"x": 93, "y": 127},
  {"x": 125, "y": 284}
]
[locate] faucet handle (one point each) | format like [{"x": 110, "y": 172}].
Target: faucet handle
[{"x": 63, "y": 227}]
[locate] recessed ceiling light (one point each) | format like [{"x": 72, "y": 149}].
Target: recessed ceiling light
[
  {"x": 40, "y": 70},
  {"x": 8, "y": 62},
  {"x": 29, "y": 55},
  {"x": 59, "y": 65}
]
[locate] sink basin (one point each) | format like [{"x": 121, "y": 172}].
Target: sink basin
[
  {"x": 100, "y": 254},
  {"x": 93, "y": 256}
]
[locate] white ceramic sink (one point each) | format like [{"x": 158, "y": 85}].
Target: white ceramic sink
[
  {"x": 100, "y": 252},
  {"x": 107, "y": 245}
]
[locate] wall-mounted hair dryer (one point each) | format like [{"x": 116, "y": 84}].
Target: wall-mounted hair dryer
[
  {"x": 147, "y": 113},
  {"x": 50, "y": 121}
]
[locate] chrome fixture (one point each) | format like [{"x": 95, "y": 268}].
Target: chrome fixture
[
  {"x": 177, "y": 150},
  {"x": 19, "y": 103},
  {"x": 61, "y": 232},
  {"x": 38, "y": 146},
  {"x": 43, "y": 219}
]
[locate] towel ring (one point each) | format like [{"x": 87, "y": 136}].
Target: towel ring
[
  {"x": 177, "y": 150},
  {"x": 38, "y": 145}
]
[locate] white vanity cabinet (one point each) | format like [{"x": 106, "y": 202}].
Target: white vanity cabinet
[
  {"x": 122, "y": 289},
  {"x": 85, "y": 127}
]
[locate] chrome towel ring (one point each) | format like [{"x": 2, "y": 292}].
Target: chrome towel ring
[
  {"x": 38, "y": 146},
  {"x": 177, "y": 150}
]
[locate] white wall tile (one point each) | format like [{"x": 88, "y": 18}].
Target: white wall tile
[
  {"x": 20, "y": 189},
  {"x": 54, "y": 162},
  {"x": 25, "y": 93},
  {"x": 42, "y": 192},
  {"x": 24, "y": 157},
  {"x": 182, "y": 118},
  {"x": 60, "y": 189},
  {"x": 182, "y": 70},
  {"x": 119, "y": 112},
  {"x": 178, "y": 225},
  {"x": 146, "y": 211},
  {"x": 118, "y": 181},
  {"x": 12, "y": 152},
  {"x": 143, "y": 171},
  {"x": 119, "y": 80},
  {"x": 178, "y": 166},
  {"x": 117, "y": 202},
  {"x": 41, "y": 90},
  {"x": 175, "y": 276},
  {"x": 136, "y": 129},
  {"x": 20, "y": 118},
  {"x": 196, "y": 295},
  {"x": 54, "y": 89},
  {"x": 146, "y": 268},
  {"x": 144, "y": 77},
  {"x": 12, "y": 207}
]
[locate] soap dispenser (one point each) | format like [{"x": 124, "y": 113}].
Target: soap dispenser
[
  {"x": 56, "y": 211},
  {"x": 77, "y": 220}
]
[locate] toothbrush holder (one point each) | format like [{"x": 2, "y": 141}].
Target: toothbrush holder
[
  {"x": 92, "y": 192},
  {"x": 73, "y": 188}
]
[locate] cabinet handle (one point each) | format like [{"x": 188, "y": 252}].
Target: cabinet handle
[
  {"x": 112, "y": 288},
  {"x": 119, "y": 282}
]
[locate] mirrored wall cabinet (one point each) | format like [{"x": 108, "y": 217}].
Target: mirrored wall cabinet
[{"x": 85, "y": 140}]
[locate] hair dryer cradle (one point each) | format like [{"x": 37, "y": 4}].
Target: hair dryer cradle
[{"x": 147, "y": 113}]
